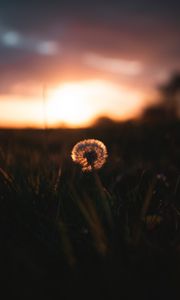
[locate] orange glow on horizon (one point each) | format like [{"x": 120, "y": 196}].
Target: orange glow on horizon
[
  {"x": 73, "y": 104},
  {"x": 79, "y": 103}
]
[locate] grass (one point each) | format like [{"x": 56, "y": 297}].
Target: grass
[{"x": 67, "y": 233}]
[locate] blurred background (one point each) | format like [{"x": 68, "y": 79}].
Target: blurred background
[{"x": 67, "y": 63}]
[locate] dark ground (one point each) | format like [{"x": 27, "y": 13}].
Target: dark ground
[{"x": 66, "y": 234}]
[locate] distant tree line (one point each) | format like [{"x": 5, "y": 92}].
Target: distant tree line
[{"x": 169, "y": 104}]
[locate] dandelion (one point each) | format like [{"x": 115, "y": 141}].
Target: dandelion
[{"x": 90, "y": 154}]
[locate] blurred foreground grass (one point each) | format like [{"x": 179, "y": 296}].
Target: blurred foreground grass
[{"x": 63, "y": 231}]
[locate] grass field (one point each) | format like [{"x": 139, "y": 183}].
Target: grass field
[{"x": 117, "y": 231}]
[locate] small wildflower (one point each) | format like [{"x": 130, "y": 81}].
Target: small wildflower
[
  {"x": 161, "y": 177},
  {"x": 152, "y": 221},
  {"x": 91, "y": 154}
]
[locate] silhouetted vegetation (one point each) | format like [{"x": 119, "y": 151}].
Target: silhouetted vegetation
[
  {"x": 104, "y": 122},
  {"x": 168, "y": 107},
  {"x": 70, "y": 234}
]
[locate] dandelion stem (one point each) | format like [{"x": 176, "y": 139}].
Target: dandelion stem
[{"x": 103, "y": 195}]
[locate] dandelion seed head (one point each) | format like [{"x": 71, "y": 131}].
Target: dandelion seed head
[{"x": 91, "y": 154}]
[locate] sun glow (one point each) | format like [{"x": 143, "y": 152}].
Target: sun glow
[
  {"x": 68, "y": 104},
  {"x": 72, "y": 104},
  {"x": 78, "y": 103}
]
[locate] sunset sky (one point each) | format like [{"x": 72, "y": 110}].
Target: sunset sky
[{"x": 67, "y": 62}]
